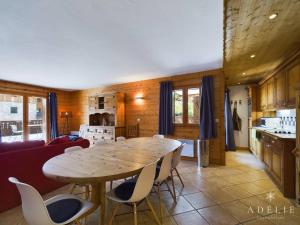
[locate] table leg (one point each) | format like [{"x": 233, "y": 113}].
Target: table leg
[{"x": 102, "y": 203}]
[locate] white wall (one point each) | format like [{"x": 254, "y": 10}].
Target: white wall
[{"x": 238, "y": 93}]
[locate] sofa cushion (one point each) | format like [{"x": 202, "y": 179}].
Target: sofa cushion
[
  {"x": 59, "y": 140},
  {"x": 5, "y": 147}
]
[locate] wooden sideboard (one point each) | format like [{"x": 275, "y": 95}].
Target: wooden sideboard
[{"x": 280, "y": 162}]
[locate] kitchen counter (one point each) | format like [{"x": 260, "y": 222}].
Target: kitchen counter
[{"x": 270, "y": 131}]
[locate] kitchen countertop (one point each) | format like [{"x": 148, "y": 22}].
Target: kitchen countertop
[{"x": 268, "y": 131}]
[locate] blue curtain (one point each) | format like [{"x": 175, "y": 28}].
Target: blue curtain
[
  {"x": 229, "y": 132},
  {"x": 207, "y": 115},
  {"x": 53, "y": 115},
  {"x": 165, "y": 108}
]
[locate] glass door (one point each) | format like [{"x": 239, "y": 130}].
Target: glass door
[
  {"x": 37, "y": 118},
  {"x": 11, "y": 118}
]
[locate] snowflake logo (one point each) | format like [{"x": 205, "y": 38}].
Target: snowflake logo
[{"x": 270, "y": 196}]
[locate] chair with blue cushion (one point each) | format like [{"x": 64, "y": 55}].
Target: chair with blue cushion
[
  {"x": 163, "y": 172},
  {"x": 59, "y": 210},
  {"x": 134, "y": 191}
]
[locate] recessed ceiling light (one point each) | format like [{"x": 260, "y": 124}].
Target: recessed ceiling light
[
  {"x": 239, "y": 83},
  {"x": 273, "y": 16},
  {"x": 252, "y": 56},
  {"x": 244, "y": 73}
]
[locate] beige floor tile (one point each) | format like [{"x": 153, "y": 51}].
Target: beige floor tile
[
  {"x": 199, "y": 200},
  {"x": 190, "y": 218},
  {"x": 254, "y": 189},
  {"x": 220, "y": 196},
  {"x": 217, "y": 181},
  {"x": 280, "y": 202},
  {"x": 216, "y": 215},
  {"x": 239, "y": 211},
  {"x": 237, "y": 191},
  {"x": 182, "y": 205}
]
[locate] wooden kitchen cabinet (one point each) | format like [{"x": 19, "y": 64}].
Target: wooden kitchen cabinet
[
  {"x": 280, "y": 162},
  {"x": 293, "y": 79},
  {"x": 280, "y": 90},
  {"x": 263, "y": 96},
  {"x": 277, "y": 164},
  {"x": 267, "y": 155},
  {"x": 270, "y": 94}
]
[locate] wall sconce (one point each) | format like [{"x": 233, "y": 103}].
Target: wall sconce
[{"x": 139, "y": 98}]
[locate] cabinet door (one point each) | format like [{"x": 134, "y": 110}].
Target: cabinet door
[
  {"x": 293, "y": 79},
  {"x": 270, "y": 94},
  {"x": 267, "y": 155},
  {"x": 277, "y": 163},
  {"x": 280, "y": 90},
  {"x": 263, "y": 97}
]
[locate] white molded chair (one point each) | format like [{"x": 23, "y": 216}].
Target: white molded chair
[
  {"x": 87, "y": 191},
  {"x": 164, "y": 174},
  {"x": 158, "y": 136},
  {"x": 141, "y": 191},
  {"x": 121, "y": 138},
  {"x": 176, "y": 160},
  {"x": 35, "y": 208}
]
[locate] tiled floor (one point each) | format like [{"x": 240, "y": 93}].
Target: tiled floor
[{"x": 234, "y": 194}]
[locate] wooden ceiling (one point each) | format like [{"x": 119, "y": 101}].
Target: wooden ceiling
[{"x": 248, "y": 31}]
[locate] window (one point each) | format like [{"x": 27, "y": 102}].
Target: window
[
  {"x": 186, "y": 106},
  {"x": 193, "y": 106},
  {"x": 178, "y": 106},
  {"x": 37, "y": 124},
  {"x": 11, "y": 118},
  {"x": 22, "y": 118}
]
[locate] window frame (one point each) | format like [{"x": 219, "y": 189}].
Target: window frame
[
  {"x": 185, "y": 115},
  {"x": 26, "y": 110}
]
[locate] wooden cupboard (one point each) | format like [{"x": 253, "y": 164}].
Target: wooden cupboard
[
  {"x": 280, "y": 89},
  {"x": 278, "y": 92},
  {"x": 280, "y": 162},
  {"x": 293, "y": 79},
  {"x": 263, "y": 97},
  {"x": 270, "y": 94}
]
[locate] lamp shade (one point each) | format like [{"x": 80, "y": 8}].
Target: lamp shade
[{"x": 67, "y": 114}]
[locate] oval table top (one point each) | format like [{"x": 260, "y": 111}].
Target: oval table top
[{"x": 108, "y": 162}]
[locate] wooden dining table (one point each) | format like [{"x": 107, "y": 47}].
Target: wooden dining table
[{"x": 107, "y": 162}]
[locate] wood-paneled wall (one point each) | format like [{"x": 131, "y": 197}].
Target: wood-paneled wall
[
  {"x": 63, "y": 97},
  {"x": 147, "y": 109}
]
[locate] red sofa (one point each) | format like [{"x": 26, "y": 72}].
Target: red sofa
[{"x": 25, "y": 161}]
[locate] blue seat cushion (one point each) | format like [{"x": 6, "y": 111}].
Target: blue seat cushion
[
  {"x": 125, "y": 190},
  {"x": 64, "y": 209},
  {"x": 157, "y": 171}
]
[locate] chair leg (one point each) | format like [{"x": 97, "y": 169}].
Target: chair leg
[
  {"x": 134, "y": 213},
  {"x": 169, "y": 189},
  {"x": 111, "y": 185},
  {"x": 173, "y": 185},
  {"x": 113, "y": 214},
  {"x": 179, "y": 177},
  {"x": 153, "y": 212},
  {"x": 73, "y": 188},
  {"x": 160, "y": 206},
  {"x": 87, "y": 192}
]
